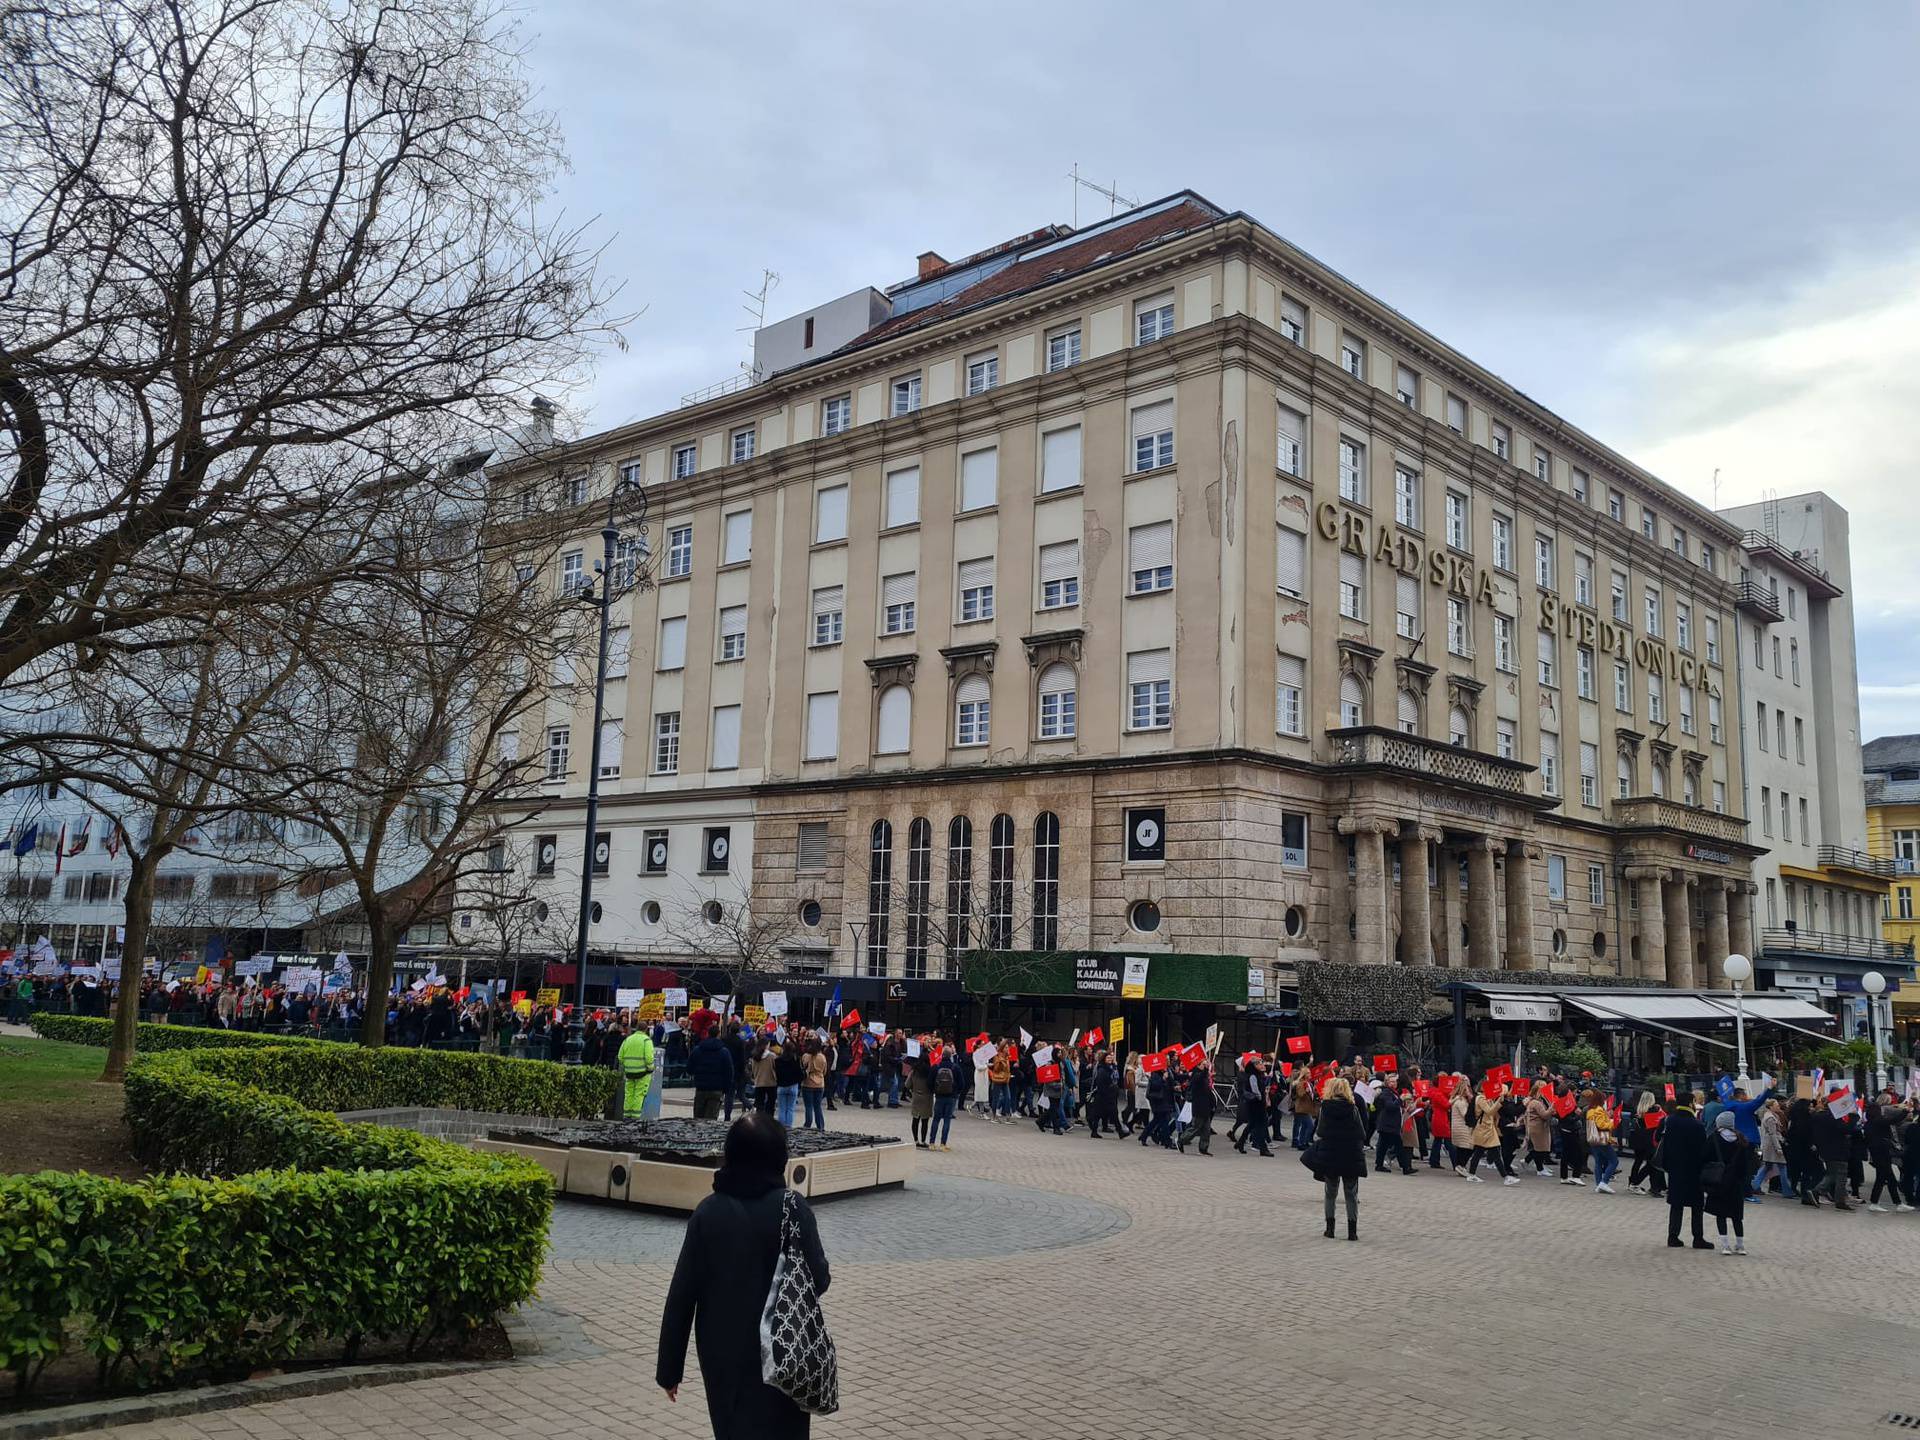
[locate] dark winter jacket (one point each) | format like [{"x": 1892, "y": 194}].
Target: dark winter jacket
[
  {"x": 1683, "y": 1151},
  {"x": 1831, "y": 1141},
  {"x": 711, "y": 1066},
  {"x": 719, "y": 1289},
  {"x": 1341, "y": 1140}
]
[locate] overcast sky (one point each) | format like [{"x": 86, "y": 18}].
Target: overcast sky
[{"x": 1693, "y": 229}]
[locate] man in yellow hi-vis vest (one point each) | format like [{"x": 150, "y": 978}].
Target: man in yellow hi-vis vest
[{"x": 636, "y": 1063}]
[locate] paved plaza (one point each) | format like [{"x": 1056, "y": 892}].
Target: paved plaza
[{"x": 1061, "y": 1288}]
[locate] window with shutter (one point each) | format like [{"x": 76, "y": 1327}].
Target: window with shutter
[
  {"x": 1293, "y": 321},
  {"x": 898, "y": 594},
  {"x": 829, "y": 614},
  {"x": 1290, "y": 562},
  {"x": 733, "y": 632},
  {"x": 1150, "y": 557},
  {"x": 896, "y": 721},
  {"x": 1352, "y": 701},
  {"x": 619, "y": 652},
  {"x": 903, "y": 497},
  {"x": 973, "y": 711},
  {"x": 811, "y": 853},
  {"x": 1353, "y": 580},
  {"x": 1459, "y": 727},
  {"x": 1290, "y": 689},
  {"x": 1589, "y": 773},
  {"x": 1549, "y": 763},
  {"x": 823, "y": 726},
  {"x": 979, "y": 479},
  {"x": 1153, "y": 435},
  {"x": 1406, "y": 606},
  {"x": 611, "y": 740},
  {"x": 1456, "y": 415},
  {"x": 830, "y": 521},
  {"x": 673, "y": 644},
  {"x": 1060, "y": 459},
  {"x": 726, "y": 738},
  {"x": 1059, "y": 697},
  {"x": 1407, "y": 713},
  {"x": 1292, "y": 427},
  {"x": 1150, "y": 689},
  {"x": 976, "y": 589},
  {"x": 738, "y": 538},
  {"x": 1060, "y": 574}
]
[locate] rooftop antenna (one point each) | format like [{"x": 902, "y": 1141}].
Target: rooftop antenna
[
  {"x": 756, "y": 307},
  {"x": 1716, "y": 487},
  {"x": 1114, "y": 198}
]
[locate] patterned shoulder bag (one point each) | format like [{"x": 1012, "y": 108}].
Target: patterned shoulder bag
[{"x": 796, "y": 1352}]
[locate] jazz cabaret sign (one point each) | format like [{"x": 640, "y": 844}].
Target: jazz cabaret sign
[{"x": 1458, "y": 575}]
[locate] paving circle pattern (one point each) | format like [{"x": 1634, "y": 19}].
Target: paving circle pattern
[{"x": 936, "y": 1217}]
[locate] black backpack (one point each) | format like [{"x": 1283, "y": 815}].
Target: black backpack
[{"x": 943, "y": 1080}]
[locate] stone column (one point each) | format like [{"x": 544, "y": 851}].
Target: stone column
[
  {"x": 1340, "y": 901},
  {"x": 1715, "y": 895},
  {"x": 1740, "y": 916},
  {"x": 1452, "y": 913},
  {"x": 1372, "y": 936},
  {"x": 1679, "y": 930},
  {"x": 1416, "y": 900},
  {"x": 1483, "y": 929},
  {"x": 1646, "y": 881},
  {"x": 1519, "y": 948}
]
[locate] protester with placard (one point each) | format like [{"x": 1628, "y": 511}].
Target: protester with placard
[
  {"x": 1199, "y": 1106},
  {"x": 1602, "y": 1143},
  {"x": 1251, "y": 1093},
  {"x": 919, "y": 1081},
  {"x": 944, "y": 1079},
  {"x": 1388, "y": 1123}
]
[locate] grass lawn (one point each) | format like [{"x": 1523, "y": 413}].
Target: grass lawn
[{"x": 54, "y": 1112}]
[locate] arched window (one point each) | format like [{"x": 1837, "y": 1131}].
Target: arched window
[
  {"x": 1689, "y": 788},
  {"x": 1059, "y": 703},
  {"x": 959, "y": 891},
  {"x": 1353, "y": 701},
  {"x": 1000, "y": 884},
  {"x": 1046, "y": 881},
  {"x": 919, "y": 895},
  {"x": 1459, "y": 727},
  {"x": 879, "y": 895},
  {"x": 1659, "y": 779},
  {"x": 973, "y": 711},
  {"x": 896, "y": 721},
  {"x": 1407, "y": 716}
]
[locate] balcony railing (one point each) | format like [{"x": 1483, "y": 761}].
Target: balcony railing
[
  {"x": 1656, "y": 812},
  {"x": 1752, "y": 598},
  {"x": 1843, "y": 947},
  {"x": 1840, "y": 858},
  {"x": 1433, "y": 758}
]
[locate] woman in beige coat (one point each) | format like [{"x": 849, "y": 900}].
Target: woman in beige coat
[
  {"x": 1540, "y": 1118},
  {"x": 1486, "y": 1138},
  {"x": 1460, "y": 1119}
]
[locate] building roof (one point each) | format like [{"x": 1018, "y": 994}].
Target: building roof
[
  {"x": 1882, "y": 791},
  {"x": 1055, "y": 259},
  {"x": 1890, "y": 752}
]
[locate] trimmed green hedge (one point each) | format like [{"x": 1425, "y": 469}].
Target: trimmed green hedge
[
  {"x": 284, "y": 1226},
  {"x": 150, "y": 1039}
]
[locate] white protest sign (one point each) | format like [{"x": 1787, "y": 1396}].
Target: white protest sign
[
  {"x": 628, "y": 998},
  {"x": 775, "y": 1002},
  {"x": 982, "y": 1056},
  {"x": 1073, "y": 1039},
  {"x": 1043, "y": 1056},
  {"x": 913, "y": 1049},
  {"x": 1026, "y": 1040},
  {"x": 1185, "y": 1117},
  {"x": 876, "y": 1027},
  {"x": 676, "y": 999}
]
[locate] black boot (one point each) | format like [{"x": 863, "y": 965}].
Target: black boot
[
  {"x": 1352, "y": 1232},
  {"x": 1329, "y": 1227}
]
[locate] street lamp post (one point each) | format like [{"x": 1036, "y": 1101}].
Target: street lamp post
[
  {"x": 603, "y": 602},
  {"x": 1738, "y": 970},
  {"x": 1874, "y": 983}
]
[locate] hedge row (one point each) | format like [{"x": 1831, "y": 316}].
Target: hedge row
[
  {"x": 90, "y": 1030},
  {"x": 283, "y": 1226}
]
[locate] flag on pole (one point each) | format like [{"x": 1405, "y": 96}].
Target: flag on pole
[
  {"x": 1299, "y": 1045},
  {"x": 112, "y": 845},
  {"x": 833, "y": 1005},
  {"x": 60, "y": 850},
  {"x": 1193, "y": 1056},
  {"x": 26, "y": 839},
  {"x": 1094, "y": 1036},
  {"x": 850, "y": 1019}
]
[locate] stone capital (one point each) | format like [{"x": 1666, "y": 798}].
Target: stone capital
[
  {"x": 1426, "y": 834},
  {"x": 1366, "y": 825},
  {"x": 1483, "y": 845},
  {"x": 1646, "y": 872},
  {"x": 1523, "y": 850}
]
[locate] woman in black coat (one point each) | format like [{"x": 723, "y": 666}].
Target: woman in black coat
[
  {"x": 721, "y": 1282},
  {"x": 1338, "y": 1154}
]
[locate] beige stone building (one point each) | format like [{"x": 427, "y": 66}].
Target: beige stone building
[{"x": 1152, "y": 588}]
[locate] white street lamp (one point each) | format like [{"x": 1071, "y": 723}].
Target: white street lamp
[
  {"x": 1874, "y": 983},
  {"x": 1738, "y": 970}
]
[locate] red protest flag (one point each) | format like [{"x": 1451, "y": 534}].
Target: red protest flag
[
  {"x": 1386, "y": 1064},
  {"x": 1046, "y": 1074},
  {"x": 516, "y": 997},
  {"x": 1422, "y": 1089},
  {"x": 1669, "y": 1090},
  {"x": 850, "y": 1019},
  {"x": 1299, "y": 1045},
  {"x": 1491, "y": 1088},
  {"x": 1193, "y": 1056},
  {"x": 1653, "y": 1117},
  {"x": 1286, "y": 1069},
  {"x": 1153, "y": 1062},
  {"x": 1094, "y": 1036},
  {"x": 1563, "y": 1105},
  {"x": 1501, "y": 1074}
]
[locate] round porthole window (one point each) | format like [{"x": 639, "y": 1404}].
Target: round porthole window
[
  {"x": 1296, "y": 921},
  {"x": 540, "y": 911},
  {"x": 596, "y": 912},
  {"x": 1144, "y": 917},
  {"x": 711, "y": 911},
  {"x": 810, "y": 914},
  {"x": 650, "y": 912},
  {"x": 1559, "y": 942},
  {"x": 1600, "y": 942}
]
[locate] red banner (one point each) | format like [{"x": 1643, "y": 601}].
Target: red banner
[
  {"x": 1386, "y": 1064},
  {"x": 1299, "y": 1045},
  {"x": 1046, "y": 1074},
  {"x": 1193, "y": 1056},
  {"x": 1153, "y": 1062}
]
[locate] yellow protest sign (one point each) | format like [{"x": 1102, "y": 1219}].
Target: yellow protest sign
[
  {"x": 548, "y": 997},
  {"x": 1117, "y": 1031},
  {"x": 754, "y": 1014},
  {"x": 200, "y": 976},
  {"x": 652, "y": 1007},
  {"x": 523, "y": 1007}
]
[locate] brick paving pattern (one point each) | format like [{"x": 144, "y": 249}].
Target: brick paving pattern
[{"x": 1018, "y": 1286}]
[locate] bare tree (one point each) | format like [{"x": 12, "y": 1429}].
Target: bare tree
[
  {"x": 257, "y": 257},
  {"x": 725, "y": 933}
]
